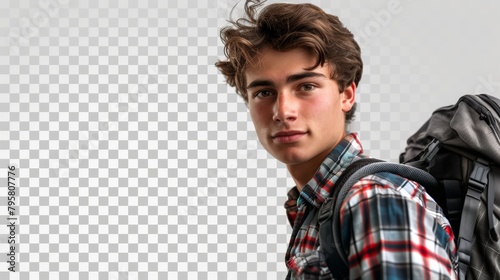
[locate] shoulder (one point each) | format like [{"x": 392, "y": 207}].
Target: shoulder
[
  {"x": 388, "y": 200},
  {"x": 390, "y": 186},
  {"x": 387, "y": 219}
]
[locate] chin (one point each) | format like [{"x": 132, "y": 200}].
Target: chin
[
  {"x": 290, "y": 158},
  {"x": 289, "y": 154}
]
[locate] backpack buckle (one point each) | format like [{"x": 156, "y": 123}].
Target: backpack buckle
[
  {"x": 431, "y": 150},
  {"x": 478, "y": 179},
  {"x": 326, "y": 210}
]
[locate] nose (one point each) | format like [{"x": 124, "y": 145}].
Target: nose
[{"x": 285, "y": 108}]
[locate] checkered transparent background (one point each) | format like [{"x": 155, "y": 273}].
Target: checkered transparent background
[{"x": 136, "y": 161}]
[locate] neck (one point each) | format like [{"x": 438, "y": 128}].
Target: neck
[{"x": 303, "y": 172}]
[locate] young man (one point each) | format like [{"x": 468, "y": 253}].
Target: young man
[{"x": 297, "y": 69}]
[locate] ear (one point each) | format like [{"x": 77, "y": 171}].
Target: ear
[{"x": 348, "y": 97}]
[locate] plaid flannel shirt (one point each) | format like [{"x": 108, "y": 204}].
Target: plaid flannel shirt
[{"x": 390, "y": 226}]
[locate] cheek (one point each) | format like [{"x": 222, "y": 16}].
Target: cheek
[
  {"x": 324, "y": 113},
  {"x": 258, "y": 115},
  {"x": 322, "y": 107}
]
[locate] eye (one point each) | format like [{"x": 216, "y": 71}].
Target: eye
[
  {"x": 263, "y": 93},
  {"x": 307, "y": 87}
]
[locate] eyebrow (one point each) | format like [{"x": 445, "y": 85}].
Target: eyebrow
[{"x": 289, "y": 79}]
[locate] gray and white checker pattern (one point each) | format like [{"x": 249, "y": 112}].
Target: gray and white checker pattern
[{"x": 136, "y": 161}]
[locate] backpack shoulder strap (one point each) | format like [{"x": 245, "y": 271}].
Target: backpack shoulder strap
[
  {"x": 335, "y": 259},
  {"x": 329, "y": 214},
  {"x": 480, "y": 179}
]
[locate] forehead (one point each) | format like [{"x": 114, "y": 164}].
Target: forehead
[
  {"x": 269, "y": 58},
  {"x": 272, "y": 64}
]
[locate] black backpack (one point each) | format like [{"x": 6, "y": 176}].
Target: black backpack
[{"x": 455, "y": 155}]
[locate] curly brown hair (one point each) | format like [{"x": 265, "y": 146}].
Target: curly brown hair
[{"x": 284, "y": 27}]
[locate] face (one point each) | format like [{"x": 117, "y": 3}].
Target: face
[{"x": 298, "y": 114}]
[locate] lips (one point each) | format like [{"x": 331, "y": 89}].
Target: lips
[{"x": 288, "y": 136}]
